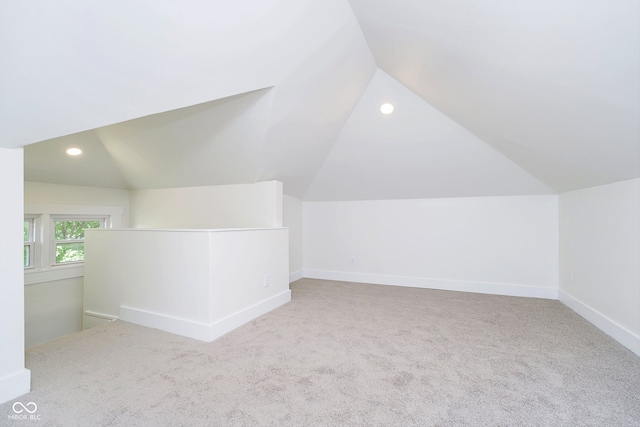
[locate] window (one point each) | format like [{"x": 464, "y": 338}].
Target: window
[
  {"x": 54, "y": 238},
  {"x": 68, "y": 237},
  {"x": 29, "y": 242}
]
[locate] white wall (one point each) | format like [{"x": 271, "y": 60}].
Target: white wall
[
  {"x": 53, "y": 298},
  {"x": 14, "y": 378},
  {"x": 292, "y": 218},
  {"x": 39, "y": 192},
  {"x": 600, "y": 248},
  {"x": 222, "y": 206},
  {"x": 52, "y": 310},
  {"x": 506, "y": 245}
]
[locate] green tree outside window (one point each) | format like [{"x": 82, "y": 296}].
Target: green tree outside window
[{"x": 69, "y": 236}]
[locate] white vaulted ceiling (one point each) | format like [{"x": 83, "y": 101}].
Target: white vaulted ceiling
[
  {"x": 416, "y": 152},
  {"x": 492, "y": 97},
  {"x": 217, "y": 142},
  {"x": 553, "y": 85}
]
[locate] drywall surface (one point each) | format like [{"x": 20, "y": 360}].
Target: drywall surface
[
  {"x": 502, "y": 70},
  {"x": 415, "y": 153},
  {"x": 504, "y": 245},
  {"x": 39, "y": 192},
  {"x": 292, "y": 218},
  {"x": 222, "y": 206},
  {"x": 52, "y": 310},
  {"x": 14, "y": 378},
  {"x": 153, "y": 57},
  {"x": 600, "y": 257}
]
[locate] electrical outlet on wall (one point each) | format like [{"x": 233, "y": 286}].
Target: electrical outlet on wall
[
  {"x": 353, "y": 260},
  {"x": 265, "y": 281}
]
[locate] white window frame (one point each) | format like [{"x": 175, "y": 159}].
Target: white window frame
[
  {"x": 54, "y": 243},
  {"x": 31, "y": 242},
  {"x": 43, "y": 270}
]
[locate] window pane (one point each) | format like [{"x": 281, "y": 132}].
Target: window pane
[
  {"x": 26, "y": 231},
  {"x": 74, "y": 230},
  {"x": 68, "y": 252},
  {"x": 27, "y": 256}
]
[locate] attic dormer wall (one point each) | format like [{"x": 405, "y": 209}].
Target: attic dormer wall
[
  {"x": 600, "y": 257},
  {"x": 209, "y": 207},
  {"x": 498, "y": 245},
  {"x": 581, "y": 247}
]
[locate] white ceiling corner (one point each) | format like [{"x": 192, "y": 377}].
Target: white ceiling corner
[{"x": 311, "y": 106}]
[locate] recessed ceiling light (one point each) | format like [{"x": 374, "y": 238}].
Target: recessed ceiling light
[
  {"x": 74, "y": 151},
  {"x": 386, "y": 108}
]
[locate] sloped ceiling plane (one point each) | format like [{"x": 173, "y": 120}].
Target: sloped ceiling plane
[{"x": 491, "y": 97}]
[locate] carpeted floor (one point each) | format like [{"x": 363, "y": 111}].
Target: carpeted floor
[{"x": 347, "y": 354}]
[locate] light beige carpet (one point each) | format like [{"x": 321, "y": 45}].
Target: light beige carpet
[{"x": 347, "y": 354}]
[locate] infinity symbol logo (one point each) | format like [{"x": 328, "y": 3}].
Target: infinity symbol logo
[{"x": 26, "y": 407}]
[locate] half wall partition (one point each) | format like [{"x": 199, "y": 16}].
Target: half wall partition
[{"x": 196, "y": 283}]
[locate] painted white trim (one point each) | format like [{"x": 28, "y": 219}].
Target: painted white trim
[
  {"x": 296, "y": 275},
  {"x": 100, "y": 315},
  {"x": 186, "y": 230},
  {"x": 43, "y": 271},
  {"x": 602, "y": 322},
  {"x": 51, "y": 208},
  {"x": 198, "y": 330},
  {"x": 442, "y": 284},
  {"x": 61, "y": 272},
  {"x": 229, "y": 323},
  {"x": 15, "y": 385},
  {"x": 174, "y": 325}
]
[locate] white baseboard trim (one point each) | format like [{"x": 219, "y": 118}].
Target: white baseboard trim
[
  {"x": 296, "y": 275},
  {"x": 442, "y": 284},
  {"x": 15, "y": 385},
  {"x": 602, "y": 322},
  {"x": 229, "y": 323},
  {"x": 174, "y": 325},
  {"x": 100, "y": 315},
  {"x": 198, "y": 330},
  {"x": 92, "y": 319}
]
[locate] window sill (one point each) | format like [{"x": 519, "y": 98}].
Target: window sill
[{"x": 32, "y": 277}]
